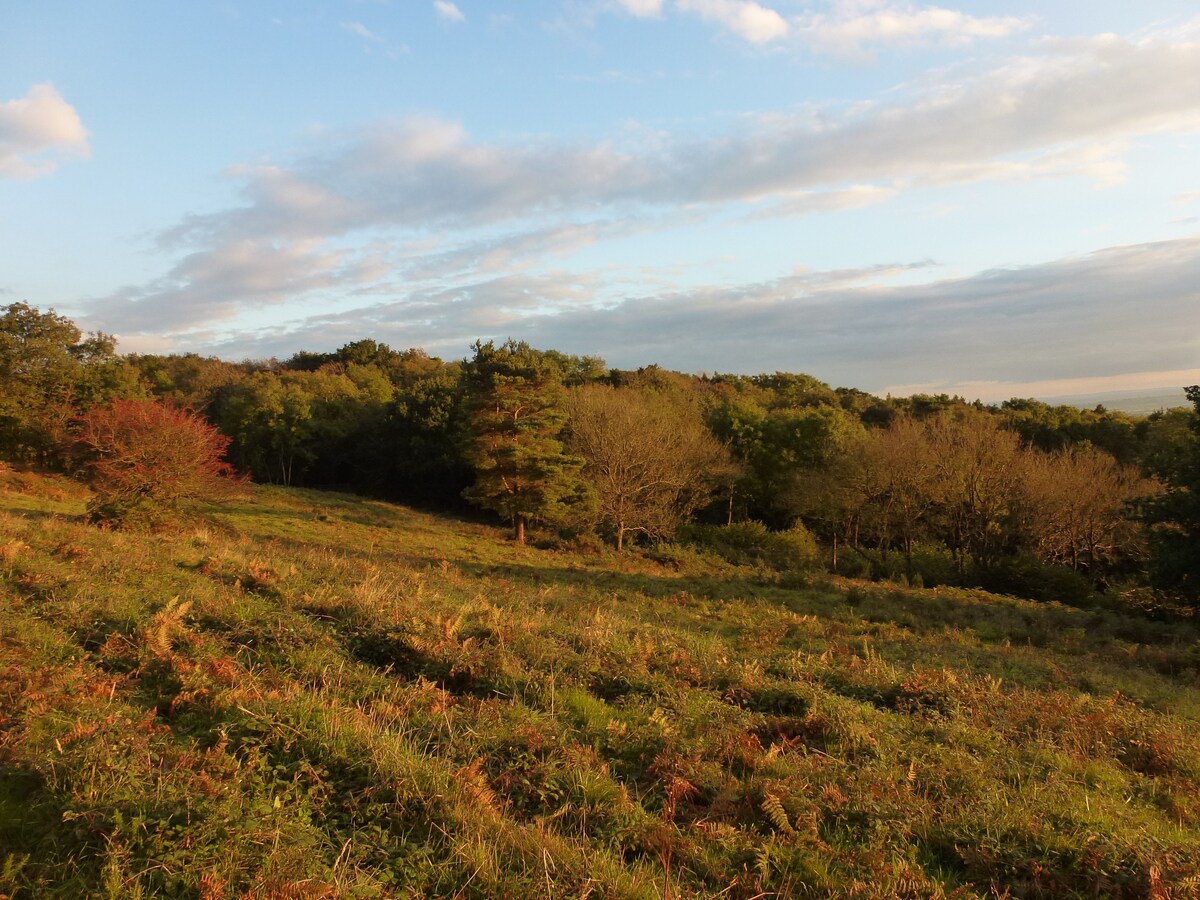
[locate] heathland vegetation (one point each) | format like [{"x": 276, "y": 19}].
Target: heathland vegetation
[{"x": 748, "y": 636}]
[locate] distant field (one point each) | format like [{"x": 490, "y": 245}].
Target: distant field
[
  {"x": 309, "y": 695},
  {"x": 1137, "y": 403}
]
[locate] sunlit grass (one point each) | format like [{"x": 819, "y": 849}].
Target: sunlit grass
[{"x": 304, "y": 694}]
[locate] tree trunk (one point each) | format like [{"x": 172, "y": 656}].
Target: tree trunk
[
  {"x": 519, "y": 530},
  {"x": 620, "y": 538},
  {"x": 835, "y": 551}
]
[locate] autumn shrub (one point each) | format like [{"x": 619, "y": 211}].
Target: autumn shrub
[{"x": 147, "y": 460}]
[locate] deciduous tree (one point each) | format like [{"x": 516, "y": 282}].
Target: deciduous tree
[
  {"x": 50, "y": 373},
  {"x": 648, "y": 457},
  {"x": 1079, "y": 511},
  {"x": 980, "y": 471}
]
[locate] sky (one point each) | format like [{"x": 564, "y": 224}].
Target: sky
[{"x": 982, "y": 198}]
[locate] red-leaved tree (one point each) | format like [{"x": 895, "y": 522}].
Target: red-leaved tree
[{"x": 146, "y": 459}]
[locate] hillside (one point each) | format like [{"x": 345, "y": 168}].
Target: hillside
[{"x": 309, "y": 695}]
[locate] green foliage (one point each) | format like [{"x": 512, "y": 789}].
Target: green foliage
[
  {"x": 420, "y": 455},
  {"x": 188, "y": 379},
  {"x": 1174, "y": 516},
  {"x": 930, "y": 563},
  {"x": 50, "y": 373},
  {"x": 289, "y": 425},
  {"x": 517, "y": 419},
  {"x": 400, "y": 368},
  {"x": 1025, "y": 576},
  {"x": 1051, "y": 428},
  {"x": 753, "y": 544},
  {"x": 774, "y": 441}
]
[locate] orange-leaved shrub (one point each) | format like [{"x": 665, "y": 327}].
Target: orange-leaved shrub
[{"x": 147, "y": 459}]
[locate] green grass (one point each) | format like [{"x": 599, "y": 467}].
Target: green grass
[{"x": 303, "y": 694}]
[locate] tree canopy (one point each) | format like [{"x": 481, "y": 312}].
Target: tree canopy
[
  {"x": 50, "y": 373},
  {"x": 650, "y": 461},
  {"x": 516, "y": 423},
  {"x": 1174, "y": 515}
]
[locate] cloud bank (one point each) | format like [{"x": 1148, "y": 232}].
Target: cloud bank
[
  {"x": 955, "y": 335},
  {"x": 1066, "y": 110}
]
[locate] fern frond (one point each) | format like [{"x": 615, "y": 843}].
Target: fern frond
[{"x": 772, "y": 807}]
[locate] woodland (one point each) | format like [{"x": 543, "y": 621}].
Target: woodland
[
  {"x": 372, "y": 624},
  {"x": 1035, "y": 500}
]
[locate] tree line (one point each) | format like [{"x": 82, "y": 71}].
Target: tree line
[{"x": 925, "y": 487}]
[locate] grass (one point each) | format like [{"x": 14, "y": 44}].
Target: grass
[{"x": 305, "y": 695}]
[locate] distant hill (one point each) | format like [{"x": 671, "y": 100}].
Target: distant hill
[{"x": 1140, "y": 403}]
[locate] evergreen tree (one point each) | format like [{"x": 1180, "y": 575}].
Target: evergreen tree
[{"x": 517, "y": 418}]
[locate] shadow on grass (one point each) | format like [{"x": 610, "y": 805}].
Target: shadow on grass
[
  {"x": 992, "y": 619},
  {"x": 36, "y": 822},
  {"x": 42, "y": 515},
  {"x": 929, "y": 612}
]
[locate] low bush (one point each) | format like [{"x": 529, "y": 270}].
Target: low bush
[
  {"x": 930, "y": 565},
  {"x": 1024, "y": 576},
  {"x": 753, "y": 544}
]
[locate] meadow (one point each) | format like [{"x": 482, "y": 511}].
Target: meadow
[{"x": 301, "y": 694}]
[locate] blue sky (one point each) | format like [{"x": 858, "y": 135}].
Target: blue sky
[{"x": 994, "y": 199}]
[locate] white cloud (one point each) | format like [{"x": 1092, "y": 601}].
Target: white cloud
[
  {"x": 448, "y": 12},
  {"x": 853, "y": 27},
  {"x": 509, "y": 253},
  {"x": 218, "y": 283},
  {"x": 806, "y": 203},
  {"x": 362, "y": 31},
  {"x": 750, "y": 21},
  {"x": 37, "y": 132},
  {"x": 996, "y": 391},
  {"x": 642, "y": 9}
]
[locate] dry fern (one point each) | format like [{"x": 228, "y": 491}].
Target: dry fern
[
  {"x": 167, "y": 623},
  {"x": 475, "y": 785}
]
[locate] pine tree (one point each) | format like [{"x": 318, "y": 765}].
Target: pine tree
[{"x": 522, "y": 470}]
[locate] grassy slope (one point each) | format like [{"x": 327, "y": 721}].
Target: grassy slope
[{"x": 311, "y": 695}]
